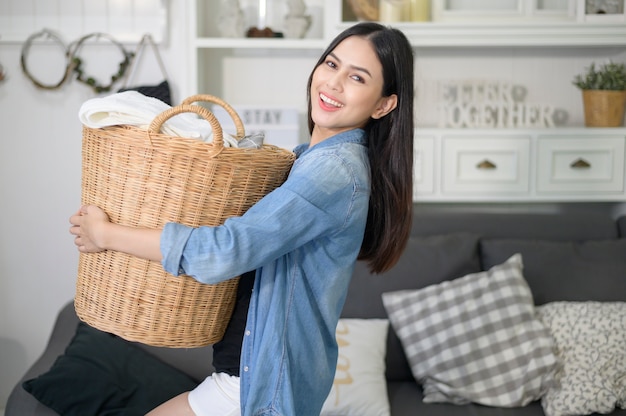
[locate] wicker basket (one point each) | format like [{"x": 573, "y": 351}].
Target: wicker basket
[
  {"x": 604, "y": 108},
  {"x": 145, "y": 179}
]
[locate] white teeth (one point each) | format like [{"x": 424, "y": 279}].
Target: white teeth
[{"x": 329, "y": 101}]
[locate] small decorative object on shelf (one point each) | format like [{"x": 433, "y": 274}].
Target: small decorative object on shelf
[
  {"x": 365, "y": 9},
  {"x": 393, "y": 10},
  {"x": 478, "y": 104},
  {"x": 262, "y": 30},
  {"x": 404, "y": 10},
  {"x": 604, "y": 94},
  {"x": 420, "y": 10},
  {"x": 296, "y": 22},
  {"x": 231, "y": 20},
  {"x": 255, "y": 32}
]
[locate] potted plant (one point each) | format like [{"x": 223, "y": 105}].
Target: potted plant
[{"x": 604, "y": 94}]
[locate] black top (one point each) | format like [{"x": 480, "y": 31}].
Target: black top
[{"x": 227, "y": 352}]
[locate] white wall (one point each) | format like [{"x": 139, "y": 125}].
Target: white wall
[
  {"x": 40, "y": 166},
  {"x": 40, "y": 169}
]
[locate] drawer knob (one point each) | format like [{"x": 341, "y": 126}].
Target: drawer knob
[
  {"x": 580, "y": 164},
  {"x": 486, "y": 164}
]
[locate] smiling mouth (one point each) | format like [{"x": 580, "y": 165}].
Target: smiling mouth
[{"x": 330, "y": 101}]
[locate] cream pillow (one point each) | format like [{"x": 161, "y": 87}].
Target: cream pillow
[{"x": 360, "y": 387}]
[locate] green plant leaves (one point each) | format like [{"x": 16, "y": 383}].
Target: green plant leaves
[{"x": 609, "y": 76}]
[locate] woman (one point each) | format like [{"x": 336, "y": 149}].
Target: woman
[{"x": 348, "y": 196}]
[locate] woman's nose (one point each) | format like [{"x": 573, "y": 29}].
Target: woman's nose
[{"x": 334, "y": 82}]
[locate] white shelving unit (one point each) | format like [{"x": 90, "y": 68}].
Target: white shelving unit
[
  {"x": 540, "y": 31},
  {"x": 520, "y": 165},
  {"x": 517, "y": 26},
  {"x": 518, "y": 34},
  {"x": 526, "y": 170},
  {"x": 258, "y": 43}
]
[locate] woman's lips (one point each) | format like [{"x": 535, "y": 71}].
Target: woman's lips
[{"x": 329, "y": 102}]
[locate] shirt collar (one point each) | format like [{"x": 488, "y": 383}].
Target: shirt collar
[{"x": 350, "y": 136}]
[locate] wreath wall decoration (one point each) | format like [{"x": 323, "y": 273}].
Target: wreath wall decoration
[
  {"x": 74, "y": 63},
  {"x": 47, "y": 34},
  {"x": 77, "y": 62}
]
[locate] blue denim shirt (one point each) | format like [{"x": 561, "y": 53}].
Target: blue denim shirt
[{"x": 303, "y": 238}]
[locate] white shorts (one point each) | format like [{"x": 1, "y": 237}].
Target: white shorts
[{"x": 217, "y": 395}]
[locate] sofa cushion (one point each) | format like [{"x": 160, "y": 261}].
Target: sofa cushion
[
  {"x": 591, "y": 346},
  {"x": 406, "y": 399},
  {"x": 100, "y": 373},
  {"x": 426, "y": 260},
  {"x": 359, "y": 388},
  {"x": 476, "y": 338},
  {"x": 570, "y": 226},
  {"x": 566, "y": 271}
]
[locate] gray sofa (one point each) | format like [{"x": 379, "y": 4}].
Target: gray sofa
[{"x": 567, "y": 257}]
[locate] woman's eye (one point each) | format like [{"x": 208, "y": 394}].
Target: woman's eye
[
  {"x": 331, "y": 64},
  {"x": 358, "y": 78}
]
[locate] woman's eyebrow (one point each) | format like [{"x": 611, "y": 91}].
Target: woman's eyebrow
[{"x": 357, "y": 68}]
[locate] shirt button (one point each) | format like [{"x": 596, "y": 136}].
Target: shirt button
[
  {"x": 245, "y": 368},
  {"x": 248, "y": 333}
]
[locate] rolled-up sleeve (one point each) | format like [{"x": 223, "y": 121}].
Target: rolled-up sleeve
[{"x": 173, "y": 240}]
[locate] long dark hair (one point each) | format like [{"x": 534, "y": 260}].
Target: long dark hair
[{"x": 390, "y": 141}]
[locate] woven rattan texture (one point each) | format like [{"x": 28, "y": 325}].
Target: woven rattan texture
[
  {"x": 604, "y": 108},
  {"x": 146, "y": 179}
]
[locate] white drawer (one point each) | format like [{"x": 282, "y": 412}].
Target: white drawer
[
  {"x": 487, "y": 166},
  {"x": 423, "y": 165},
  {"x": 580, "y": 164}
]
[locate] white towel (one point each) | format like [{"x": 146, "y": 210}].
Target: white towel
[{"x": 135, "y": 109}]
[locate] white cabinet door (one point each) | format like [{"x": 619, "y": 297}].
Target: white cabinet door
[
  {"x": 580, "y": 164},
  {"x": 487, "y": 166},
  {"x": 423, "y": 165},
  {"x": 529, "y": 165}
]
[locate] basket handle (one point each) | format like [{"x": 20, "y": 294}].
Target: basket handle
[
  {"x": 216, "y": 100},
  {"x": 157, "y": 123}
]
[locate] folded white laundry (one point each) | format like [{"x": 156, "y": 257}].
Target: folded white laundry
[{"x": 135, "y": 109}]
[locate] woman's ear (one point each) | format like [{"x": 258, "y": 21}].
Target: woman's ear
[{"x": 386, "y": 106}]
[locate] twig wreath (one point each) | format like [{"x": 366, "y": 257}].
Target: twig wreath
[
  {"x": 77, "y": 62},
  {"x": 47, "y": 34}
]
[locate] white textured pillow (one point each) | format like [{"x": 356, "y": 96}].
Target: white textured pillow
[
  {"x": 475, "y": 338},
  {"x": 591, "y": 346},
  {"x": 360, "y": 387}
]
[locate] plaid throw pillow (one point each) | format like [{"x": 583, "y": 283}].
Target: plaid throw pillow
[{"x": 476, "y": 338}]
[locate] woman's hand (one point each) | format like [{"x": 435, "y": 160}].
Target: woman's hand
[
  {"x": 88, "y": 225},
  {"x": 95, "y": 232}
]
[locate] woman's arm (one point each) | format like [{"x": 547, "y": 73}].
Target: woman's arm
[{"x": 94, "y": 233}]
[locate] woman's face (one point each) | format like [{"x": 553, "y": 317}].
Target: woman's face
[{"x": 346, "y": 89}]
